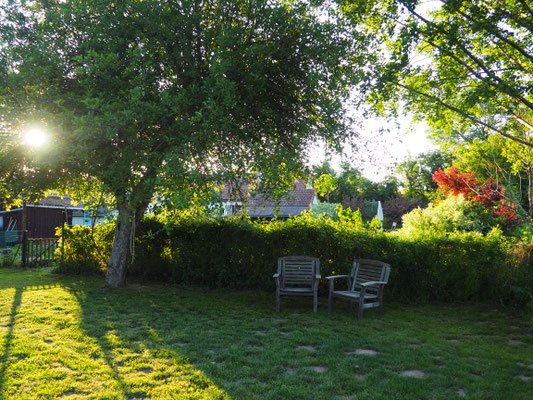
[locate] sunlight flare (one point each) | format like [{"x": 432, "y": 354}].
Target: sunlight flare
[{"x": 35, "y": 137}]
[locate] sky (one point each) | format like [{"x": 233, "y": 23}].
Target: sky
[
  {"x": 383, "y": 143},
  {"x": 380, "y": 145}
]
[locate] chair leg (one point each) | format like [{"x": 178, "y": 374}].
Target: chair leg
[
  {"x": 380, "y": 307},
  {"x": 361, "y": 307},
  {"x": 315, "y": 301},
  {"x": 330, "y": 302},
  {"x": 278, "y": 302}
]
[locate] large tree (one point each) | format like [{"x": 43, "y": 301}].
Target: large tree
[{"x": 142, "y": 93}]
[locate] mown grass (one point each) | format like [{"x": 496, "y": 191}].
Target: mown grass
[{"x": 72, "y": 338}]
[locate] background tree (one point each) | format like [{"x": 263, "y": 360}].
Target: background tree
[
  {"x": 321, "y": 169},
  {"x": 140, "y": 94},
  {"x": 349, "y": 183},
  {"x": 521, "y": 159},
  {"x": 379, "y": 191},
  {"x": 491, "y": 156},
  {"x": 489, "y": 194},
  {"x": 416, "y": 175},
  {"x": 353, "y": 191},
  {"x": 325, "y": 184},
  {"x": 396, "y": 207}
]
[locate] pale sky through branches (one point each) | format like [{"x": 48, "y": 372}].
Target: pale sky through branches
[{"x": 381, "y": 144}]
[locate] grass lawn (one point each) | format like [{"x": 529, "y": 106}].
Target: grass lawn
[{"x": 72, "y": 338}]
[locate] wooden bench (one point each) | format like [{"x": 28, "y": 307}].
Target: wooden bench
[
  {"x": 365, "y": 285},
  {"x": 297, "y": 276}
]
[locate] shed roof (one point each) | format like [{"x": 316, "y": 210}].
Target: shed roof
[{"x": 57, "y": 201}]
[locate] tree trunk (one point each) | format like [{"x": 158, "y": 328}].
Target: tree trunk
[{"x": 120, "y": 252}]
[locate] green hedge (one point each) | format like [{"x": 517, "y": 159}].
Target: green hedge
[{"x": 237, "y": 253}]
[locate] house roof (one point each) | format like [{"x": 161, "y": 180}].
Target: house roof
[
  {"x": 56, "y": 201},
  {"x": 299, "y": 199},
  {"x": 300, "y": 195}
]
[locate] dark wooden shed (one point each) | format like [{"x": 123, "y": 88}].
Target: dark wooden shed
[{"x": 41, "y": 221}]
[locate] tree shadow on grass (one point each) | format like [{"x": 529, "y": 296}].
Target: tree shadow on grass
[
  {"x": 24, "y": 283},
  {"x": 119, "y": 324},
  {"x": 166, "y": 342},
  {"x": 144, "y": 357},
  {"x": 169, "y": 344},
  {"x": 17, "y": 298}
]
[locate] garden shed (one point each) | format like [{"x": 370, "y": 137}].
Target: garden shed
[{"x": 42, "y": 218}]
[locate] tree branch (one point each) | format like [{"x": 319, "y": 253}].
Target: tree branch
[
  {"x": 511, "y": 16},
  {"x": 504, "y": 39},
  {"x": 493, "y": 80},
  {"x": 519, "y": 119},
  {"x": 464, "y": 114},
  {"x": 527, "y": 7}
]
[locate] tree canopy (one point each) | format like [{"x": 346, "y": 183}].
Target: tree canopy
[
  {"x": 465, "y": 63},
  {"x": 146, "y": 95},
  {"x": 491, "y": 156}
]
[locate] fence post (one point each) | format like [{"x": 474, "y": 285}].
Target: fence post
[{"x": 24, "y": 248}]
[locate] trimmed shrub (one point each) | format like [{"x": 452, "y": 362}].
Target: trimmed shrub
[
  {"x": 238, "y": 253},
  {"x": 454, "y": 214},
  {"x": 520, "y": 276},
  {"x": 84, "y": 251}
]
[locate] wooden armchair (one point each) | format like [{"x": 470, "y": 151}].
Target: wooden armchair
[
  {"x": 297, "y": 276},
  {"x": 365, "y": 285}
]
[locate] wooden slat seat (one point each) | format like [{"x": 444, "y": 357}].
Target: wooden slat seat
[
  {"x": 297, "y": 276},
  {"x": 353, "y": 295},
  {"x": 365, "y": 285},
  {"x": 295, "y": 290}
]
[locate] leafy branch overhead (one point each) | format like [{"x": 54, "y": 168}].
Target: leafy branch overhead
[{"x": 462, "y": 64}]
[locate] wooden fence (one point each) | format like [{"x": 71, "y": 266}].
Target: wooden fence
[{"x": 36, "y": 250}]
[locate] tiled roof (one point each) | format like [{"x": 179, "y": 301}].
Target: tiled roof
[
  {"x": 300, "y": 196},
  {"x": 56, "y": 201}
]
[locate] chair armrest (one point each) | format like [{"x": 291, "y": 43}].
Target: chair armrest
[
  {"x": 277, "y": 278},
  {"x": 372, "y": 283},
  {"x": 337, "y": 276}
]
